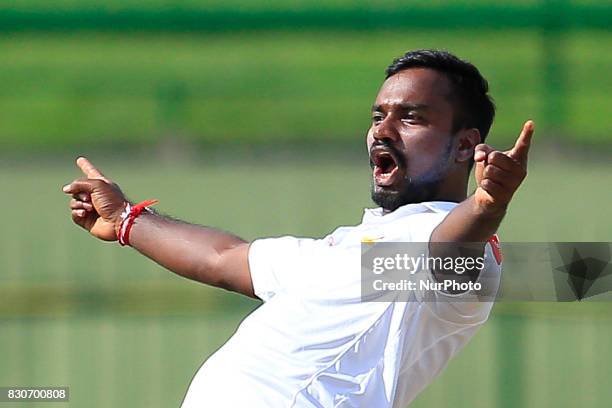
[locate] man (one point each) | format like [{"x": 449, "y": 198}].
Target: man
[{"x": 314, "y": 342}]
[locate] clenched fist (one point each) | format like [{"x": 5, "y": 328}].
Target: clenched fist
[
  {"x": 499, "y": 174},
  {"x": 97, "y": 202}
]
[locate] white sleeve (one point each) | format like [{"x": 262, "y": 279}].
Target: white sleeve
[
  {"x": 272, "y": 263},
  {"x": 470, "y": 307},
  {"x": 467, "y": 307}
]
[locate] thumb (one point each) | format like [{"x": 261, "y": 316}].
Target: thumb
[
  {"x": 79, "y": 186},
  {"x": 481, "y": 152}
]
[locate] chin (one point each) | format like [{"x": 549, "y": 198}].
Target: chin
[
  {"x": 390, "y": 198},
  {"x": 387, "y": 197}
]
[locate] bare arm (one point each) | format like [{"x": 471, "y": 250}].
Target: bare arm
[
  {"x": 498, "y": 176},
  {"x": 199, "y": 253}
]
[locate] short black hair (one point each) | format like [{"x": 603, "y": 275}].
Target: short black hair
[{"x": 474, "y": 107}]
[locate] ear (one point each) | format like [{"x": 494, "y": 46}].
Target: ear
[{"x": 467, "y": 140}]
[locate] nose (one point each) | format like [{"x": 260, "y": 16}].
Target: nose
[{"x": 385, "y": 131}]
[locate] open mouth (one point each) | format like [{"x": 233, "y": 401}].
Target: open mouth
[{"x": 385, "y": 166}]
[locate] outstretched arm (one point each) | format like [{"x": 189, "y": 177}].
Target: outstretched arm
[{"x": 199, "y": 253}]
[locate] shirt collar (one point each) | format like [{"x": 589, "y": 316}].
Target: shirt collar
[{"x": 377, "y": 215}]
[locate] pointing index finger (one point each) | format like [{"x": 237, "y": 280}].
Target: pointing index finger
[
  {"x": 88, "y": 169},
  {"x": 521, "y": 147}
]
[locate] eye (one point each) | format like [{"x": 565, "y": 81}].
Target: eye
[
  {"x": 377, "y": 117},
  {"x": 412, "y": 118}
]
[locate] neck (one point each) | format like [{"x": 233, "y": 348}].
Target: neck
[
  {"x": 451, "y": 192},
  {"x": 454, "y": 188},
  {"x": 455, "y": 197}
]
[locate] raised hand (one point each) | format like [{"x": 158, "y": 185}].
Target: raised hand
[
  {"x": 499, "y": 174},
  {"x": 96, "y": 203}
]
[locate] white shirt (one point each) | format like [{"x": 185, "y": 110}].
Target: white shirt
[{"x": 314, "y": 343}]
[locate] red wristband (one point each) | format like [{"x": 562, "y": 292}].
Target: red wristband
[{"x": 128, "y": 217}]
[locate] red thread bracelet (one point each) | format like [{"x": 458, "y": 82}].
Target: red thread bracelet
[{"x": 128, "y": 217}]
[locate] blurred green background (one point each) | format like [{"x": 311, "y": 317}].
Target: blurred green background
[{"x": 251, "y": 117}]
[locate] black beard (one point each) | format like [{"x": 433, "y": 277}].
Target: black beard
[{"x": 414, "y": 190}]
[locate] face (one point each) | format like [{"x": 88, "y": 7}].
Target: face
[{"x": 411, "y": 141}]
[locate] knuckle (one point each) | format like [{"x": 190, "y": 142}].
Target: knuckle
[
  {"x": 482, "y": 147},
  {"x": 498, "y": 157},
  {"x": 491, "y": 171},
  {"x": 486, "y": 184}
]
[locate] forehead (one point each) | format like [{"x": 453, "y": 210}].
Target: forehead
[{"x": 419, "y": 86}]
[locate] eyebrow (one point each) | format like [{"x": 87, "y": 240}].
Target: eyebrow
[{"x": 403, "y": 106}]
